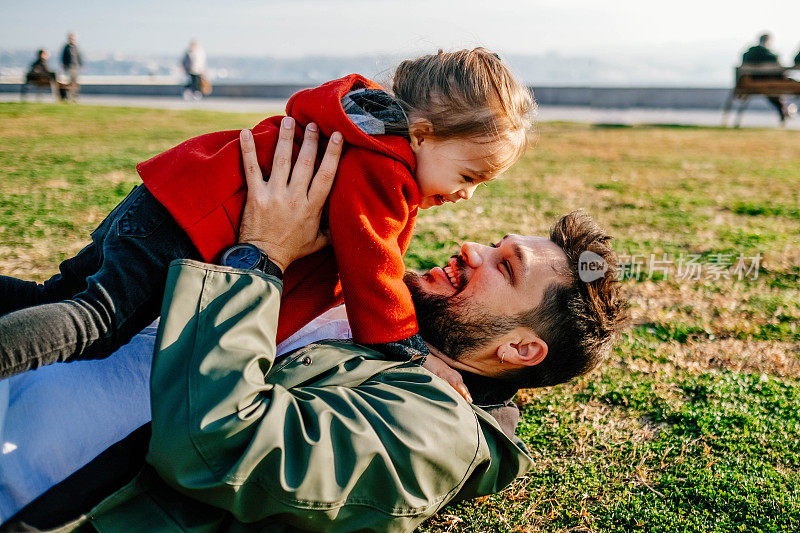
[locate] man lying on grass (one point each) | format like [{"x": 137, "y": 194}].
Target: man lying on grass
[{"x": 332, "y": 436}]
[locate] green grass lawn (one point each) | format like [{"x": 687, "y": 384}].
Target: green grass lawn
[{"x": 692, "y": 425}]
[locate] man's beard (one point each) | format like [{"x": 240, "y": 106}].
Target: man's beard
[{"x": 450, "y": 323}]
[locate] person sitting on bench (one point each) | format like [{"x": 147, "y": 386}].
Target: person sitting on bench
[
  {"x": 39, "y": 74},
  {"x": 760, "y": 55}
]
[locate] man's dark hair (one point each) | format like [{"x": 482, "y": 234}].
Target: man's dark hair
[{"x": 578, "y": 320}]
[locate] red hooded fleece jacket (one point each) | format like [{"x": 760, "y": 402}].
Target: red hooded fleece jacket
[{"x": 371, "y": 212}]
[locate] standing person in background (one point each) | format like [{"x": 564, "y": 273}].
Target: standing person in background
[
  {"x": 72, "y": 63},
  {"x": 194, "y": 63},
  {"x": 760, "y": 55}
]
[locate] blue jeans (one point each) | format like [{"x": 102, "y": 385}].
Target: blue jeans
[{"x": 101, "y": 298}]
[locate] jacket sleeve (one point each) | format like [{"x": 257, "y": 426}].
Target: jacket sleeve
[
  {"x": 369, "y": 213},
  {"x": 359, "y": 449},
  {"x": 215, "y": 344}
]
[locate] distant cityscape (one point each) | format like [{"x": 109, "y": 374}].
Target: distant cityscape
[{"x": 545, "y": 69}]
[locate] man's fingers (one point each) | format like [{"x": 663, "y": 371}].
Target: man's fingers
[
  {"x": 304, "y": 166},
  {"x": 463, "y": 391},
  {"x": 323, "y": 179},
  {"x": 252, "y": 172},
  {"x": 282, "y": 160},
  {"x": 437, "y": 363},
  {"x": 457, "y": 383}
]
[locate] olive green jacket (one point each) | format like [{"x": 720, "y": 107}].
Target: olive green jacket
[{"x": 332, "y": 437}]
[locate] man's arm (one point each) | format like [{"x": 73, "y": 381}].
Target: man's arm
[
  {"x": 215, "y": 344},
  {"x": 227, "y": 318},
  {"x": 344, "y": 449},
  {"x": 378, "y": 446}
]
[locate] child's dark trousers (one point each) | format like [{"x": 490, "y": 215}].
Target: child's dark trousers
[{"x": 101, "y": 298}]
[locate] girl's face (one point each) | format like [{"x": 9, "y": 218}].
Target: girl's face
[{"x": 450, "y": 170}]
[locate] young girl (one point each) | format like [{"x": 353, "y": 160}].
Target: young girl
[{"x": 453, "y": 121}]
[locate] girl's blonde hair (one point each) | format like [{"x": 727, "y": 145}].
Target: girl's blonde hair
[{"x": 467, "y": 94}]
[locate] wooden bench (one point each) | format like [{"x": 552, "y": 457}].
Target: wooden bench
[{"x": 759, "y": 80}]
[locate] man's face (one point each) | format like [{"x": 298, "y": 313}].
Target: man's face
[{"x": 462, "y": 306}]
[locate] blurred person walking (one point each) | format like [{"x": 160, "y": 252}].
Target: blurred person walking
[
  {"x": 762, "y": 56},
  {"x": 72, "y": 62},
  {"x": 194, "y": 63}
]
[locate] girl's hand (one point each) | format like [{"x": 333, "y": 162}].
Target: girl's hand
[
  {"x": 281, "y": 216},
  {"x": 437, "y": 366}
]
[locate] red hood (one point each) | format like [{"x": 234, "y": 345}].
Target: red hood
[{"x": 323, "y": 105}]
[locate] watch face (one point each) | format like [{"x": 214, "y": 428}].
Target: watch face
[{"x": 244, "y": 257}]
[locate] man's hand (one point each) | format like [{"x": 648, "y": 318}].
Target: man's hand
[
  {"x": 436, "y": 364},
  {"x": 281, "y": 216}
]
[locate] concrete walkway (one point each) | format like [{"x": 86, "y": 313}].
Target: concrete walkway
[{"x": 690, "y": 117}]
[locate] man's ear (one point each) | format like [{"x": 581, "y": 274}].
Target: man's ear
[
  {"x": 419, "y": 131},
  {"x": 525, "y": 348}
]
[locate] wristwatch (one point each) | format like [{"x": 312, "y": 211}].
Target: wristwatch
[{"x": 248, "y": 256}]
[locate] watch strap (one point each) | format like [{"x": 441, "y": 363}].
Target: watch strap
[
  {"x": 268, "y": 267},
  {"x": 263, "y": 264}
]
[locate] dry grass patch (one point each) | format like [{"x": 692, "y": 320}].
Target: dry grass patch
[
  {"x": 117, "y": 177},
  {"x": 770, "y": 357},
  {"x": 729, "y": 309}
]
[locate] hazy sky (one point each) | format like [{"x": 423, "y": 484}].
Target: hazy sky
[{"x": 343, "y": 27}]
